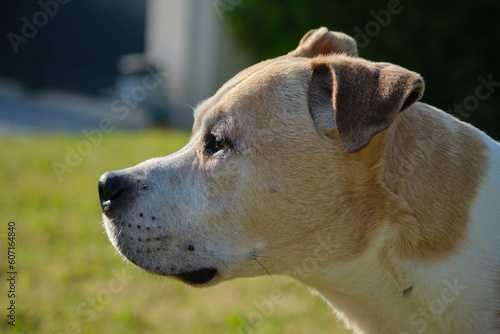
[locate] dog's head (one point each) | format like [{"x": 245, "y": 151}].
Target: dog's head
[{"x": 281, "y": 159}]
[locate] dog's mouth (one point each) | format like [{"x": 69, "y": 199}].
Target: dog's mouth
[{"x": 200, "y": 276}]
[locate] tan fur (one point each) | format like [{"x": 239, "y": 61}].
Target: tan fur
[
  {"x": 328, "y": 158},
  {"x": 276, "y": 131},
  {"x": 322, "y": 41},
  {"x": 424, "y": 167},
  {"x": 368, "y": 190}
]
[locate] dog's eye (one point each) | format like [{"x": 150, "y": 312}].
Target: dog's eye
[
  {"x": 215, "y": 143},
  {"x": 220, "y": 143}
]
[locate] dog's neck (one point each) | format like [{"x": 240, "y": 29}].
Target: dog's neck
[
  {"x": 371, "y": 294},
  {"x": 378, "y": 293},
  {"x": 412, "y": 279}
]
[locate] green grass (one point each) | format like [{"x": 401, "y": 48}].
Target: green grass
[{"x": 71, "y": 281}]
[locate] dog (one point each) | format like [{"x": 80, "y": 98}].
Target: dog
[{"x": 324, "y": 166}]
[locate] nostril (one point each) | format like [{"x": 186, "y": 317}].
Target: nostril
[
  {"x": 102, "y": 193},
  {"x": 111, "y": 186}
]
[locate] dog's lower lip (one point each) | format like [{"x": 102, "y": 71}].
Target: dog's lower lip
[{"x": 200, "y": 276}]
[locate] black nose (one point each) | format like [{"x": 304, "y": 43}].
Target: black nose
[{"x": 112, "y": 186}]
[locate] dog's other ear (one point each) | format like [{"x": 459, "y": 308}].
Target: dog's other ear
[
  {"x": 359, "y": 98},
  {"x": 322, "y": 42}
]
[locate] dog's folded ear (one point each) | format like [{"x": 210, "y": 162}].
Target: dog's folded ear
[
  {"x": 322, "y": 42},
  {"x": 358, "y": 98}
]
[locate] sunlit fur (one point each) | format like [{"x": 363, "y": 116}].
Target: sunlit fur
[{"x": 402, "y": 236}]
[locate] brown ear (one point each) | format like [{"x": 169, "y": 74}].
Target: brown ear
[
  {"x": 322, "y": 42},
  {"x": 359, "y": 98}
]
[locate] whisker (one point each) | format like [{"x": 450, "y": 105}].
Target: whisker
[{"x": 267, "y": 271}]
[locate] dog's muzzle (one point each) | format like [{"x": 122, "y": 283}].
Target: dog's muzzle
[{"x": 118, "y": 188}]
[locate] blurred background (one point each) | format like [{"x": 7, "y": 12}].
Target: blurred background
[
  {"x": 92, "y": 51},
  {"x": 88, "y": 86}
]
